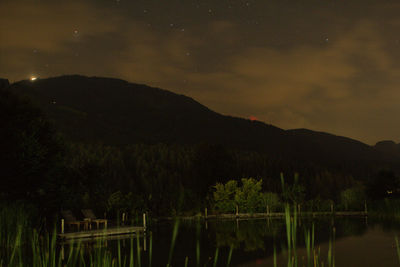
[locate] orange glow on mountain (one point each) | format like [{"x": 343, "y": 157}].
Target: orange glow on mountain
[{"x": 253, "y": 118}]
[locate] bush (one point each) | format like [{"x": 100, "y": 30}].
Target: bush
[
  {"x": 271, "y": 200},
  {"x": 318, "y": 204},
  {"x": 118, "y": 203},
  {"x": 353, "y": 198}
]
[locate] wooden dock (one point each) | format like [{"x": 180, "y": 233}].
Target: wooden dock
[{"x": 124, "y": 230}]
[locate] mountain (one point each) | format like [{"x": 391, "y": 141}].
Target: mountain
[
  {"x": 336, "y": 147},
  {"x": 115, "y": 112},
  {"x": 389, "y": 148}
]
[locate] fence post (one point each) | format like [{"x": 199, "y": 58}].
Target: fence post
[
  {"x": 237, "y": 210},
  {"x": 144, "y": 221},
  {"x": 267, "y": 209},
  {"x": 144, "y": 241},
  {"x": 62, "y": 226},
  {"x": 365, "y": 207},
  {"x": 62, "y": 252},
  {"x": 205, "y": 213}
]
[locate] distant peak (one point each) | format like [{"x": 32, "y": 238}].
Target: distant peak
[{"x": 385, "y": 143}]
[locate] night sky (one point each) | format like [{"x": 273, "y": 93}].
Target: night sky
[{"x": 324, "y": 65}]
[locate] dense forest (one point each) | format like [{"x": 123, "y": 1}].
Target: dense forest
[{"x": 41, "y": 165}]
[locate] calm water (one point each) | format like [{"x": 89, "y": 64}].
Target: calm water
[{"x": 357, "y": 242}]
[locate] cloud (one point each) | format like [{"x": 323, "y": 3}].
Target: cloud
[
  {"x": 34, "y": 34},
  {"x": 334, "y": 87},
  {"x": 346, "y": 85}
]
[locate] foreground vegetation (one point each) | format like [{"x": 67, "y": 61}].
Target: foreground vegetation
[{"x": 22, "y": 245}]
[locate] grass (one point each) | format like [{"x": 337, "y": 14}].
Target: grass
[
  {"x": 313, "y": 253},
  {"x": 397, "y": 248},
  {"x": 21, "y": 245}
]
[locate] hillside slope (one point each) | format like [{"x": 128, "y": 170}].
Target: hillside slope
[{"x": 112, "y": 111}]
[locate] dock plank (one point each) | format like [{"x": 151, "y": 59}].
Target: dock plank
[{"x": 102, "y": 232}]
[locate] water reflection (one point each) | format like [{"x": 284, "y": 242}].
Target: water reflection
[
  {"x": 250, "y": 235},
  {"x": 253, "y": 241}
]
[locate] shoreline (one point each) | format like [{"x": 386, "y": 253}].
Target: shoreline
[{"x": 265, "y": 215}]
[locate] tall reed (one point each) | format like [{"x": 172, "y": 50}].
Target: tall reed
[
  {"x": 313, "y": 253},
  {"x": 24, "y": 246}
]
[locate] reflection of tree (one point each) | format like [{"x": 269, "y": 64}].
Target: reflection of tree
[
  {"x": 225, "y": 234},
  {"x": 350, "y": 227},
  {"x": 252, "y": 236},
  {"x": 249, "y": 234}
]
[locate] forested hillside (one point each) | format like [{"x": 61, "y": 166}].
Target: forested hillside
[{"x": 114, "y": 146}]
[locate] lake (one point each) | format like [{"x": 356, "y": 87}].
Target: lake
[{"x": 355, "y": 242}]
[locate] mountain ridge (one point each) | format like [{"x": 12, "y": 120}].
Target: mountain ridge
[{"x": 116, "y": 112}]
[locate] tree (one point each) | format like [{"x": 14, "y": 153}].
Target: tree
[
  {"x": 353, "y": 198},
  {"x": 211, "y": 163},
  {"x": 224, "y": 196},
  {"x": 271, "y": 200},
  {"x": 32, "y": 154},
  {"x": 384, "y": 184},
  {"x": 293, "y": 193},
  {"x": 249, "y": 197}
]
